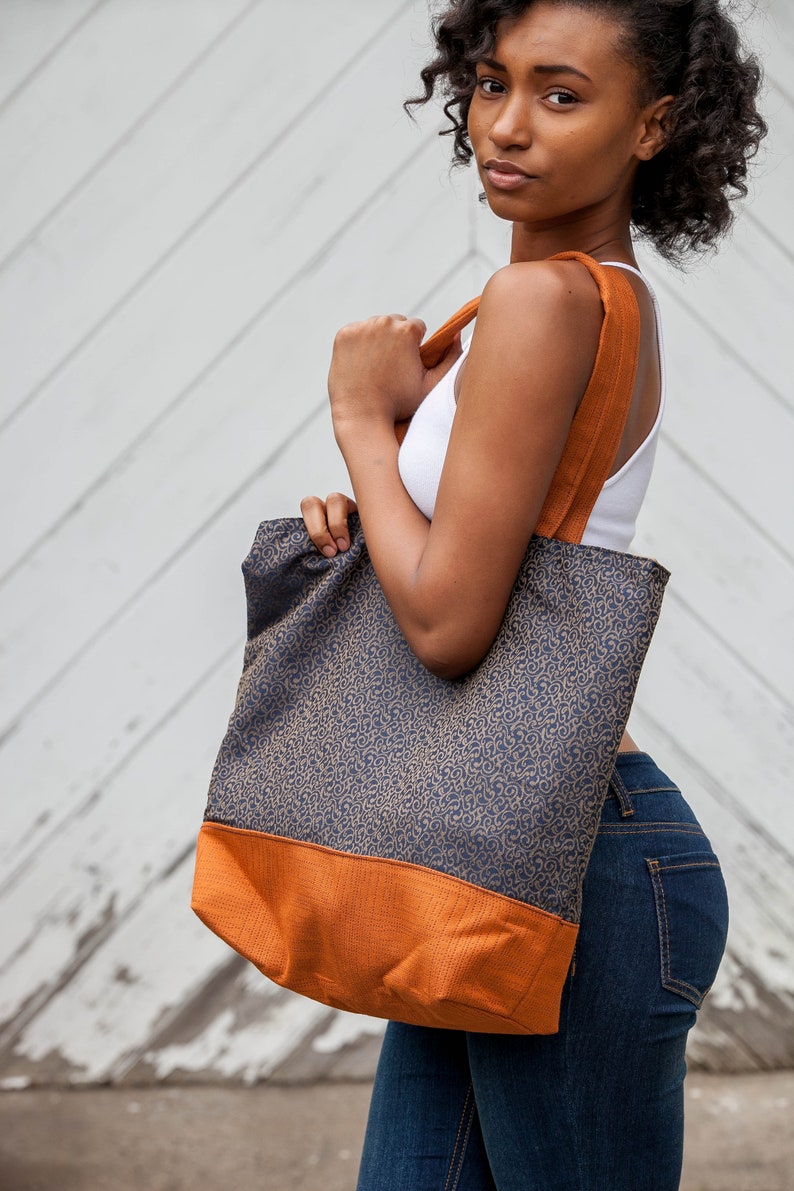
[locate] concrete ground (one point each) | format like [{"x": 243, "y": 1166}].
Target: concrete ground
[{"x": 740, "y": 1137}]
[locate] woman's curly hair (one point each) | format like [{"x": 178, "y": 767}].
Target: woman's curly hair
[{"x": 686, "y": 48}]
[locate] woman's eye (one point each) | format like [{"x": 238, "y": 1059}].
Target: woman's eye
[
  {"x": 490, "y": 86},
  {"x": 562, "y": 98}
]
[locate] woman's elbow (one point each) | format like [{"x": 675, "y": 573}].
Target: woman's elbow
[{"x": 447, "y": 655}]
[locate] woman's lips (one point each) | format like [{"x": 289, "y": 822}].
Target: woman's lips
[{"x": 506, "y": 176}]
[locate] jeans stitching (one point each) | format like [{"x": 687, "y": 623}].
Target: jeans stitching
[
  {"x": 666, "y": 868},
  {"x": 650, "y": 828},
  {"x": 686, "y": 990},
  {"x": 622, "y": 794},
  {"x": 664, "y": 936},
  {"x": 470, "y": 1111},
  {"x": 668, "y": 981},
  {"x": 566, "y": 1061},
  {"x": 654, "y": 790}
]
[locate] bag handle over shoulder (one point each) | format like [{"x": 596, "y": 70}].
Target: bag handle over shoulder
[
  {"x": 434, "y": 347},
  {"x": 597, "y": 427},
  {"x": 598, "y": 424}
]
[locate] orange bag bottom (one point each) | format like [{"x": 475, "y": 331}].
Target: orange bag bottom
[{"x": 383, "y": 937}]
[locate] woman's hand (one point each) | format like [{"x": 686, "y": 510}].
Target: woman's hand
[
  {"x": 326, "y": 521},
  {"x": 377, "y": 372}
]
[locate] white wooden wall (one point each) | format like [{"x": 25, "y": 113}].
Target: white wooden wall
[{"x": 194, "y": 194}]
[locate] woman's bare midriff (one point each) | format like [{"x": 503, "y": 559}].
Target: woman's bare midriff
[{"x": 627, "y": 745}]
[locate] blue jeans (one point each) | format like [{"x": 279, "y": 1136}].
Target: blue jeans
[{"x": 598, "y": 1106}]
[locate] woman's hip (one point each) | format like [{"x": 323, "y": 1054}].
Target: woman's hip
[{"x": 654, "y": 903}]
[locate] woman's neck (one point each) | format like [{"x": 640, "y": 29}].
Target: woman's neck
[{"x": 602, "y": 243}]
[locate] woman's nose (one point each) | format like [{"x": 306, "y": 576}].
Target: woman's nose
[{"x": 512, "y": 127}]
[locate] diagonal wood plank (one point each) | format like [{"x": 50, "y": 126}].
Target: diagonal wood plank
[
  {"x": 48, "y": 146},
  {"x": 769, "y": 30},
  {"x": 164, "y": 178},
  {"x": 713, "y": 392},
  {"x": 30, "y": 34},
  {"x": 178, "y": 325},
  {"x": 744, "y": 733},
  {"x": 719, "y": 562},
  {"x": 771, "y": 188},
  {"x": 96, "y": 878},
  {"x": 745, "y": 295}
]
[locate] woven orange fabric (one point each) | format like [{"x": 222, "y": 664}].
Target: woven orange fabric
[
  {"x": 400, "y": 929},
  {"x": 595, "y": 434}
]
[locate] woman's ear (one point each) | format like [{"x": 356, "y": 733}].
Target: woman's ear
[{"x": 655, "y": 128}]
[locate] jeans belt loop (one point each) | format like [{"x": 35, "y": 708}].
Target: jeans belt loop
[{"x": 619, "y": 789}]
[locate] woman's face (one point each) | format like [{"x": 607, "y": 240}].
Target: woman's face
[{"x": 555, "y": 122}]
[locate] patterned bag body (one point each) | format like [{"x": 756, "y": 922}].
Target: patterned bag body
[{"x": 397, "y": 844}]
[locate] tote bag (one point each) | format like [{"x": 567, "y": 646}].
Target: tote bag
[{"x": 397, "y": 844}]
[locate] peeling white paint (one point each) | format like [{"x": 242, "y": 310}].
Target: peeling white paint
[
  {"x": 732, "y": 989},
  {"x": 249, "y": 1054},
  {"x": 97, "y": 1022},
  {"x": 346, "y": 1028},
  {"x": 766, "y": 952}
]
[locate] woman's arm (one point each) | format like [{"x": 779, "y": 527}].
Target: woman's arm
[{"x": 448, "y": 583}]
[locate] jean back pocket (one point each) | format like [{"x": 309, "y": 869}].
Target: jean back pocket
[{"x": 692, "y": 913}]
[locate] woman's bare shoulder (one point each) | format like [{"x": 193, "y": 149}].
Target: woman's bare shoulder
[
  {"x": 544, "y": 292},
  {"x": 538, "y": 312}
]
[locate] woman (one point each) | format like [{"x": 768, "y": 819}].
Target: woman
[{"x": 587, "y": 119}]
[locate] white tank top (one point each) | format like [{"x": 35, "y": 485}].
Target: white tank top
[{"x": 613, "y": 519}]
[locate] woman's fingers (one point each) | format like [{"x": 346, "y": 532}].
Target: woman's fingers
[
  {"x": 337, "y": 508},
  {"x": 313, "y": 513},
  {"x": 326, "y": 521}
]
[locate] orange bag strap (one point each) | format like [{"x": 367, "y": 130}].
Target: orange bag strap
[
  {"x": 433, "y": 348},
  {"x": 597, "y": 427}
]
